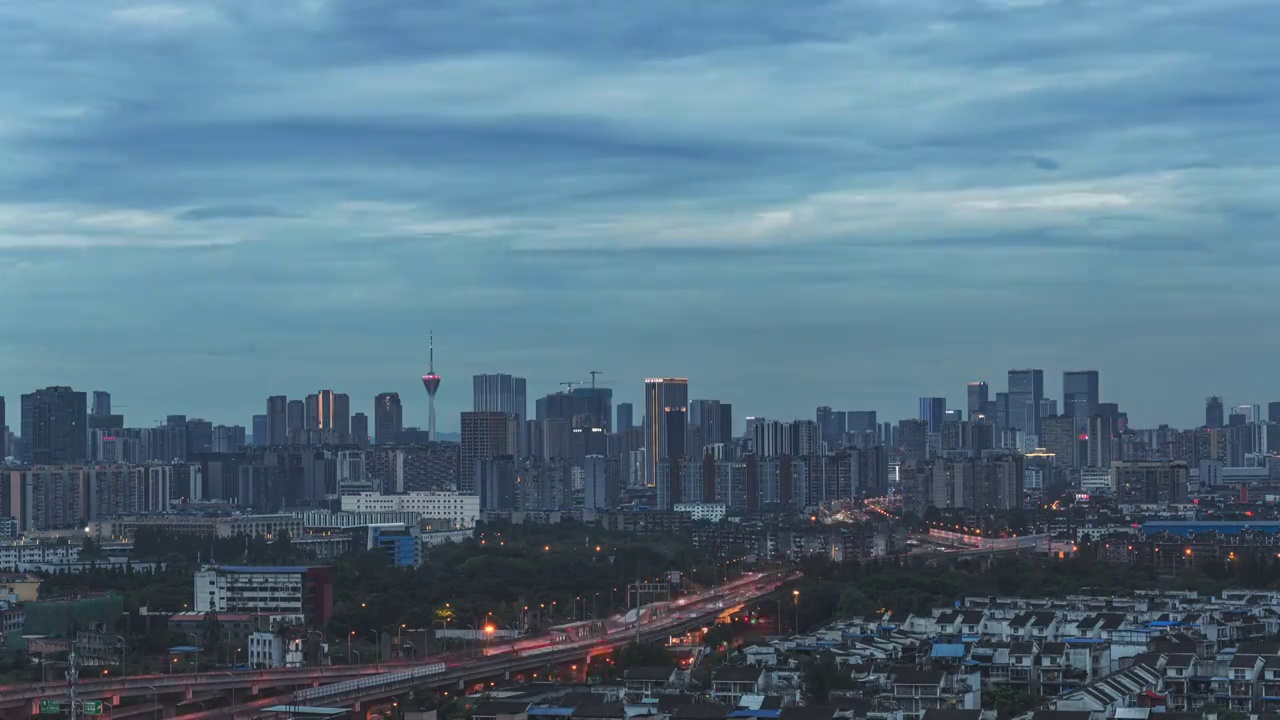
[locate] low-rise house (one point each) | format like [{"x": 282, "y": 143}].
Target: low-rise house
[
  {"x": 1124, "y": 689},
  {"x": 761, "y": 655},
  {"x": 1238, "y": 689},
  {"x": 729, "y": 684},
  {"x": 643, "y": 682},
  {"x": 916, "y": 690}
]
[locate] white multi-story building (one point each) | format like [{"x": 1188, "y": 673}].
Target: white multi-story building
[
  {"x": 711, "y": 512},
  {"x": 462, "y": 510},
  {"x": 266, "y": 650},
  {"x": 303, "y": 595},
  {"x": 1096, "y": 481}
]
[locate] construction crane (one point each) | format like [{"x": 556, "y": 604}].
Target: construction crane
[
  {"x": 594, "y": 373},
  {"x": 568, "y": 386}
]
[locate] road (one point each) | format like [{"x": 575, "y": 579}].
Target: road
[{"x": 18, "y": 700}]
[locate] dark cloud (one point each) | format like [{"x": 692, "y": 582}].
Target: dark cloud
[{"x": 830, "y": 192}]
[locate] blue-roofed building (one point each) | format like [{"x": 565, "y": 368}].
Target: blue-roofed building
[
  {"x": 404, "y": 547},
  {"x": 1187, "y": 528},
  {"x": 948, "y": 653}
]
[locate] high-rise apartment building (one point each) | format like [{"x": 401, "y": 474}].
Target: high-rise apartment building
[
  {"x": 1080, "y": 396},
  {"x": 1026, "y": 390},
  {"x": 1158, "y": 483},
  {"x": 4, "y": 433},
  {"x": 360, "y": 429},
  {"x": 259, "y": 429},
  {"x": 861, "y": 421},
  {"x": 388, "y": 418},
  {"x": 933, "y": 411},
  {"x": 500, "y": 393},
  {"x": 55, "y": 426},
  {"x": 1213, "y": 412},
  {"x": 832, "y": 426},
  {"x": 595, "y": 404},
  {"x": 978, "y": 396},
  {"x": 626, "y": 417},
  {"x": 296, "y": 417},
  {"x": 101, "y": 403},
  {"x": 277, "y": 422},
  {"x": 1273, "y": 425},
  {"x": 666, "y": 404},
  {"x": 1102, "y": 440},
  {"x": 1058, "y": 435},
  {"x": 705, "y": 418},
  {"x": 485, "y": 435}
]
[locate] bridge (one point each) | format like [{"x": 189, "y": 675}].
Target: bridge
[{"x": 357, "y": 684}]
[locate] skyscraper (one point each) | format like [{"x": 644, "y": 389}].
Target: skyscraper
[
  {"x": 1273, "y": 424},
  {"x": 500, "y": 393},
  {"x": 626, "y": 417},
  {"x": 704, "y": 425},
  {"x": 4, "y": 433},
  {"x": 1213, "y": 415},
  {"x": 295, "y": 417},
  {"x": 342, "y": 414},
  {"x": 861, "y": 421},
  {"x": 726, "y": 422},
  {"x": 666, "y": 409},
  {"x": 260, "y": 429},
  {"x": 933, "y": 410},
  {"x": 388, "y": 418},
  {"x": 360, "y": 429},
  {"x": 1026, "y": 390},
  {"x": 978, "y": 396},
  {"x": 55, "y": 426},
  {"x": 312, "y": 419},
  {"x": 101, "y": 403},
  {"x": 594, "y": 405},
  {"x": 485, "y": 435},
  {"x": 277, "y": 425},
  {"x": 332, "y": 412},
  {"x": 832, "y": 425},
  {"x": 1080, "y": 396}
]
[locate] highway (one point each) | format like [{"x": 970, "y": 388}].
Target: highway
[{"x": 19, "y": 701}]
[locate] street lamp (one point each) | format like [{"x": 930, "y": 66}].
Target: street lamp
[
  {"x": 796, "y": 595},
  {"x": 196, "y": 640},
  {"x": 124, "y": 647},
  {"x": 377, "y": 646}
]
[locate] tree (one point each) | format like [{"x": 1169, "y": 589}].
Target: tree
[
  {"x": 821, "y": 676},
  {"x": 91, "y": 551},
  {"x": 855, "y": 603},
  {"x": 212, "y": 632}
]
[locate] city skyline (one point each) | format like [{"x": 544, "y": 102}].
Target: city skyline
[
  {"x": 408, "y": 413},
  {"x": 258, "y": 198}
]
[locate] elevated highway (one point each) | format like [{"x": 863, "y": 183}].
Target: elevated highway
[{"x": 272, "y": 687}]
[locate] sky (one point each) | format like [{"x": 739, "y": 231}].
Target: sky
[{"x": 791, "y": 202}]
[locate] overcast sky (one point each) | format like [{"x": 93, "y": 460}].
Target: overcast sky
[{"x": 792, "y": 203}]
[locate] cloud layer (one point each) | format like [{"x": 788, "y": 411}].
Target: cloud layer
[{"x": 794, "y": 202}]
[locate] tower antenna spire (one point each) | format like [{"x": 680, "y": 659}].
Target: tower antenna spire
[{"x": 431, "y": 381}]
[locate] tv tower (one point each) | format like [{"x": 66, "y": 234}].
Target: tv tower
[{"x": 431, "y": 381}]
